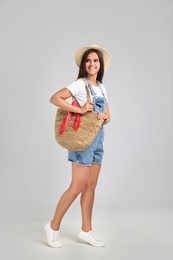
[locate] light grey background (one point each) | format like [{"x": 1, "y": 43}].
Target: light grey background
[{"x": 37, "y": 47}]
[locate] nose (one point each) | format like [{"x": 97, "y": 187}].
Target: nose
[{"x": 91, "y": 63}]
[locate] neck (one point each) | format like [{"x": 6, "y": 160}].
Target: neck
[{"x": 93, "y": 80}]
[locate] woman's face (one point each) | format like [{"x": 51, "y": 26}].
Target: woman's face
[{"x": 92, "y": 64}]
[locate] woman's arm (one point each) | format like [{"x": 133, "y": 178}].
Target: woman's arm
[
  {"x": 106, "y": 116},
  {"x": 107, "y": 113},
  {"x": 59, "y": 100}
]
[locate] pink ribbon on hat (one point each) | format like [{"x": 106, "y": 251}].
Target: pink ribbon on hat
[{"x": 69, "y": 117}]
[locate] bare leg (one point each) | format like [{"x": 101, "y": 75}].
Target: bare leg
[
  {"x": 80, "y": 175},
  {"x": 87, "y": 197}
]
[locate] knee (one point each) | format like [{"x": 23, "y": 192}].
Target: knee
[
  {"x": 77, "y": 189},
  {"x": 91, "y": 185}
]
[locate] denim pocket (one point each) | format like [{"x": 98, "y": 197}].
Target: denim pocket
[{"x": 99, "y": 104}]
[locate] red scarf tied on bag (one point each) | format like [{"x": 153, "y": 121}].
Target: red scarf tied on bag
[{"x": 69, "y": 117}]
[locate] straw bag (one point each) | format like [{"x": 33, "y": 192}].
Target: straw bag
[{"x": 76, "y": 132}]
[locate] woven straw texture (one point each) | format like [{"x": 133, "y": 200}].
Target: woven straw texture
[{"x": 77, "y": 140}]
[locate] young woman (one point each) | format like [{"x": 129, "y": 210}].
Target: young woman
[{"x": 92, "y": 61}]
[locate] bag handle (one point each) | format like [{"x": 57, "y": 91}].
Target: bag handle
[
  {"x": 87, "y": 91},
  {"x": 77, "y": 116}
]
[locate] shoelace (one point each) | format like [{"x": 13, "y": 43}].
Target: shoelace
[
  {"x": 55, "y": 236},
  {"x": 94, "y": 236}
]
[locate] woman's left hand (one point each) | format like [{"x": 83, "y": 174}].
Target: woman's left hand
[{"x": 101, "y": 116}]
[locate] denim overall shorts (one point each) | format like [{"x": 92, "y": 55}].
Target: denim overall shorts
[{"x": 94, "y": 153}]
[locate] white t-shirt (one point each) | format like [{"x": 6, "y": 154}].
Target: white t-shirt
[{"x": 78, "y": 90}]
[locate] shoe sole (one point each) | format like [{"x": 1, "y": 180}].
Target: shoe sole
[{"x": 90, "y": 243}]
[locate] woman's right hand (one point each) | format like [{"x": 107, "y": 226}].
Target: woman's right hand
[{"x": 87, "y": 107}]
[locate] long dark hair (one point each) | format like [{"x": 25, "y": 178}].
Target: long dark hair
[{"x": 82, "y": 72}]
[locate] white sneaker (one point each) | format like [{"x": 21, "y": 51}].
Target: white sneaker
[
  {"x": 91, "y": 238},
  {"x": 52, "y": 236}
]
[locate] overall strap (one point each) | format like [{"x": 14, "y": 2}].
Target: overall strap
[{"x": 91, "y": 88}]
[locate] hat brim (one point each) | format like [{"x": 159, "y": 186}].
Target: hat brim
[{"x": 105, "y": 53}]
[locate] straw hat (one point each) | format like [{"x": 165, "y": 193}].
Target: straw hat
[{"x": 105, "y": 53}]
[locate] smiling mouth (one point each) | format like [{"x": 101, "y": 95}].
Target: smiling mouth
[{"x": 92, "y": 68}]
